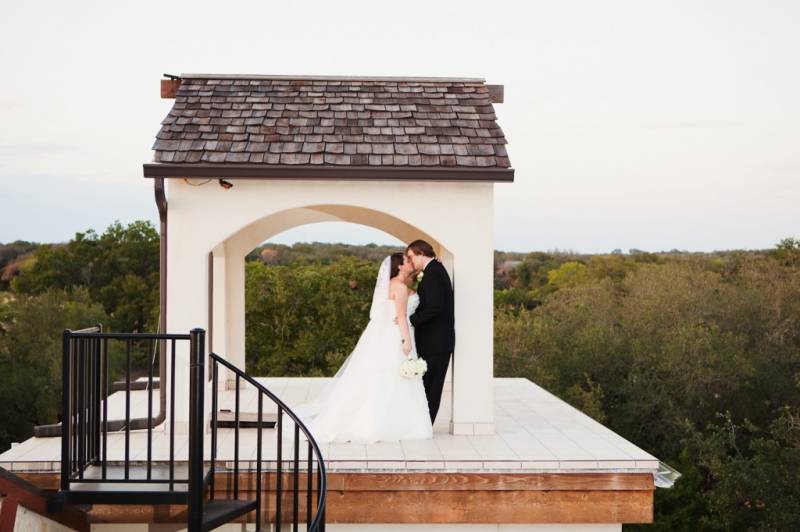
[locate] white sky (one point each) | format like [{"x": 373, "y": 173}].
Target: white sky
[{"x": 640, "y": 124}]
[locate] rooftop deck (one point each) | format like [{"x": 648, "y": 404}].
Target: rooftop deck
[{"x": 535, "y": 432}]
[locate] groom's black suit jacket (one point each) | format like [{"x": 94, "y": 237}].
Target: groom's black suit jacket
[{"x": 434, "y": 320}]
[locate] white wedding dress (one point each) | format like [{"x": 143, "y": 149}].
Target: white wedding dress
[{"x": 368, "y": 400}]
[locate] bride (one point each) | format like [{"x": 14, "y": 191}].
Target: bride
[{"x": 368, "y": 400}]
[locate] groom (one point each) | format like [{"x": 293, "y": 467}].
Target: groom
[{"x": 433, "y": 320}]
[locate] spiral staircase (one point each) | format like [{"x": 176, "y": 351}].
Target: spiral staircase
[{"x": 208, "y": 487}]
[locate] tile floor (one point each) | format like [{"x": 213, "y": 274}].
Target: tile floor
[{"x": 535, "y": 432}]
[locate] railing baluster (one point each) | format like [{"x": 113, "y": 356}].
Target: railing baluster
[
  {"x": 296, "y": 478},
  {"x": 319, "y": 485},
  {"x": 98, "y": 381},
  {"x": 236, "y": 444},
  {"x": 88, "y": 406},
  {"x": 90, "y": 377},
  {"x": 74, "y": 417},
  {"x": 81, "y": 405},
  {"x": 278, "y": 478},
  {"x": 197, "y": 384},
  {"x": 150, "y": 413},
  {"x": 214, "y": 408},
  {"x": 128, "y": 410},
  {"x": 66, "y": 411},
  {"x": 98, "y": 397},
  {"x": 95, "y": 400},
  {"x": 105, "y": 395},
  {"x": 92, "y": 396},
  {"x": 84, "y": 404},
  {"x": 258, "y": 460},
  {"x": 309, "y": 486},
  {"x": 172, "y": 417}
]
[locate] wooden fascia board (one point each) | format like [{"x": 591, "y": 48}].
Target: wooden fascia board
[{"x": 344, "y": 173}]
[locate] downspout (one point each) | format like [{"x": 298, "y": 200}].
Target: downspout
[{"x": 161, "y": 203}]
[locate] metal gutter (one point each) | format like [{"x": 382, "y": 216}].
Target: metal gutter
[
  {"x": 666, "y": 476},
  {"x": 342, "y": 173}
]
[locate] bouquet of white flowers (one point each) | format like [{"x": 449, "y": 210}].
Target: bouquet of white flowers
[{"x": 413, "y": 367}]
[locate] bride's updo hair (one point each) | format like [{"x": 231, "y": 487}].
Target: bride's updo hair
[{"x": 395, "y": 261}]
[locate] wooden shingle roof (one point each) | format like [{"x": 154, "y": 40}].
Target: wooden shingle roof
[{"x": 281, "y": 126}]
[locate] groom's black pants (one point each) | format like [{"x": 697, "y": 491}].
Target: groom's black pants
[{"x": 433, "y": 380}]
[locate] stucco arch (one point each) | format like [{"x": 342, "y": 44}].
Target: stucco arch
[
  {"x": 212, "y": 229},
  {"x": 256, "y": 232}
]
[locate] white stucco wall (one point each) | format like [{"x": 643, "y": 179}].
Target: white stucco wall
[
  {"x": 455, "y": 217},
  {"x": 29, "y": 521}
]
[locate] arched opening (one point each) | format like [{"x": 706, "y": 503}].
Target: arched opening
[
  {"x": 245, "y": 330},
  {"x": 307, "y": 302}
]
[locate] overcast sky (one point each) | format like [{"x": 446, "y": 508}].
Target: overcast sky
[{"x": 649, "y": 125}]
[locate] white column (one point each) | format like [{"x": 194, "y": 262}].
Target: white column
[
  {"x": 473, "y": 360},
  {"x": 187, "y": 303},
  {"x": 234, "y": 286},
  {"x": 219, "y": 341},
  {"x": 221, "y": 316}
]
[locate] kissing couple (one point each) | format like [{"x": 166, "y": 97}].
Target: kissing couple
[{"x": 369, "y": 399}]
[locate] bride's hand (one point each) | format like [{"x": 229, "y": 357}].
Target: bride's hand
[{"x": 406, "y": 348}]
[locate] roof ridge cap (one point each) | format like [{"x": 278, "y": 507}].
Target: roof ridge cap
[{"x": 429, "y": 79}]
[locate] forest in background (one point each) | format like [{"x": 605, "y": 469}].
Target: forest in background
[{"x": 695, "y": 357}]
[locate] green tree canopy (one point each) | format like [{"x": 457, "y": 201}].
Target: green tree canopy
[
  {"x": 118, "y": 268},
  {"x": 30, "y": 356}
]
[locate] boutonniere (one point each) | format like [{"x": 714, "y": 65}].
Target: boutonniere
[{"x": 418, "y": 281}]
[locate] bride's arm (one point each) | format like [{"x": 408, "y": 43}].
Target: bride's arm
[{"x": 400, "y": 308}]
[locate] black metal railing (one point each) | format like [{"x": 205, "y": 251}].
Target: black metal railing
[
  {"x": 314, "y": 465},
  {"x": 85, "y": 423},
  {"x": 91, "y": 358}
]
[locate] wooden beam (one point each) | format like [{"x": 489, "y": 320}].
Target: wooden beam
[
  {"x": 32, "y": 497},
  {"x": 43, "y": 481},
  {"x": 138, "y": 513},
  {"x": 427, "y": 481},
  {"x": 496, "y": 93},
  {"x": 478, "y": 507},
  {"x": 490, "y": 481},
  {"x": 169, "y": 88},
  {"x": 434, "y": 498},
  {"x": 488, "y": 507},
  {"x": 8, "y": 513},
  {"x": 463, "y": 498},
  {"x": 455, "y": 481}
]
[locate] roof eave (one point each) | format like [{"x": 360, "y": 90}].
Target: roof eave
[{"x": 341, "y": 173}]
